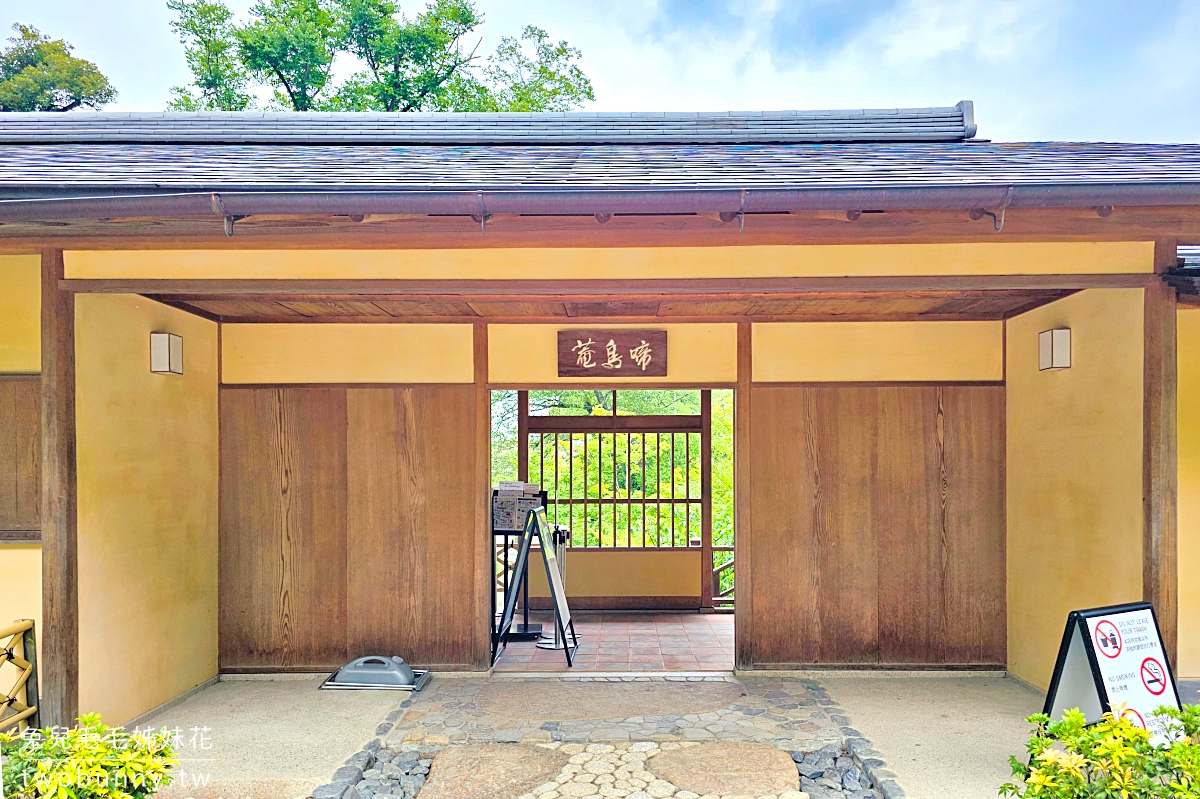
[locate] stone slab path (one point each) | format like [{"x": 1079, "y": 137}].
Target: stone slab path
[
  {"x": 539, "y": 736},
  {"x": 537, "y": 709}
]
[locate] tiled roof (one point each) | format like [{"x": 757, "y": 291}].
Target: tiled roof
[
  {"x": 497, "y": 168},
  {"x": 954, "y": 123}
]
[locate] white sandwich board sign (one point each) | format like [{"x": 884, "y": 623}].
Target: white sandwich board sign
[{"x": 1113, "y": 656}]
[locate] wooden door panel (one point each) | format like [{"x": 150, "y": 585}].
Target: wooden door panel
[
  {"x": 411, "y": 522},
  {"x": 283, "y": 528},
  {"x": 20, "y": 453},
  {"x": 878, "y": 524}
]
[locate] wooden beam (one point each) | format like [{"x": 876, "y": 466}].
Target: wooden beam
[
  {"x": 743, "y": 531},
  {"x": 484, "y": 548},
  {"x": 60, "y": 569},
  {"x": 1160, "y": 553},
  {"x": 699, "y": 289},
  {"x": 1125, "y": 223}
]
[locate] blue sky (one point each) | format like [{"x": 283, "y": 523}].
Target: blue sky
[{"x": 1036, "y": 69}]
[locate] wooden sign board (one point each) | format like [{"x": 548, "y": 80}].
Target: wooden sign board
[
  {"x": 612, "y": 353},
  {"x": 1113, "y": 656}
]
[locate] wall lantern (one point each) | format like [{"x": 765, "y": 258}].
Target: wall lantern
[
  {"x": 1054, "y": 349},
  {"x": 166, "y": 353}
]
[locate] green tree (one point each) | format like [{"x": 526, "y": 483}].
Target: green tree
[
  {"x": 291, "y": 45},
  {"x": 409, "y": 62},
  {"x": 38, "y": 73},
  {"x": 207, "y": 32},
  {"x": 515, "y": 79}
]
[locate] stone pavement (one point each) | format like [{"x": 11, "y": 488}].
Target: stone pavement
[{"x": 614, "y": 737}]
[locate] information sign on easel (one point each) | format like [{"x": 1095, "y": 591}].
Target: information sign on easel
[
  {"x": 1113, "y": 656},
  {"x": 536, "y": 525}
]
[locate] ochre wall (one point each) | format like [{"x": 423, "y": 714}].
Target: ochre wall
[
  {"x": 877, "y": 351},
  {"x": 336, "y": 353},
  {"x": 20, "y": 353},
  {"x": 587, "y": 263},
  {"x": 20, "y": 314},
  {"x": 147, "y": 460},
  {"x": 667, "y": 573},
  {"x": 528, "y": 354},
  {"x": 1074, "y": 471},
  {"x": 1188, "y": 330}
]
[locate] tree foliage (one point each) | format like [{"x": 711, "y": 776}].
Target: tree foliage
[
  {"x": 206, "y": 29},
  {"x": 38, "y": 73},
  {"x": 409, "y": 64},
  {"x": 291, "y": 44}
]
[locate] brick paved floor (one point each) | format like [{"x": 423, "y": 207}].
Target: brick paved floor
[{"x": 634, "y": 642}]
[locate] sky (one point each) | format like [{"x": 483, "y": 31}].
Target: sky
[{"x": 1078, "y": 70}]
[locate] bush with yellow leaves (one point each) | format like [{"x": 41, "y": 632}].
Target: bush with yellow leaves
[
  {"x": 1070, "y": 759},
  {"x": 89, "y": 761}
]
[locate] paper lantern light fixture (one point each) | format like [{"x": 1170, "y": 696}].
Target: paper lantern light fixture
[
  {"x": 166, "y": 353},
  {"x": 1054, "y": 349}
]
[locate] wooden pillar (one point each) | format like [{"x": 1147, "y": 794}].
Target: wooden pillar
[
  {"x": 523, "y": 436},
  {"x": 60, "y": 569},
  {"x": 706, "y": 544},
  {"x": 743, "y": 532},
  {"x": 1160, "y": 544},
  {"x": 484, "y": 572}
]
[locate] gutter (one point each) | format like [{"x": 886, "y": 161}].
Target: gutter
[{"x": 734, "y": 202}]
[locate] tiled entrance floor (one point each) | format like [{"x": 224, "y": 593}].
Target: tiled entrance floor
[{"x": 632, "y": 641}]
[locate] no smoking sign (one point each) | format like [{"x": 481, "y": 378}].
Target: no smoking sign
[
  {"x": 1154, "y": 676},
  {"x": 1112, "y": 658}
]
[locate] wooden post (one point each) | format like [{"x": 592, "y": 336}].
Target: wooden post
[
  {"x": 743, "y": 533},
  {"x": 60, "y": 571},
  {"x": 485, "y": 576},
  {"x": 706, "y": 544},
  {"x": 523, "y": 436},
  {"x": 1160, "y": 545}
]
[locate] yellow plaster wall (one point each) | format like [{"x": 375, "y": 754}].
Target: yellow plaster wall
[
  {"x": 621, "y": 574},
  {"x": 147, "y": 461},
  {"x": 315, "y": 353},
  {"x": 583, "y": 263},
  {"x": 1188, "y": 331},
  {"x": 20, "y": 593},
  {"x": 696, "y": 353},
  {"x": 877, "y": 351},
  {"x": 1074, "y": 471},
  {"x": 20, "y": 314}
]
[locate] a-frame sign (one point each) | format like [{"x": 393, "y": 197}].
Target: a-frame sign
[
  {"x": 537, "y": 525},
  {"x": 1113, "y": 656}
]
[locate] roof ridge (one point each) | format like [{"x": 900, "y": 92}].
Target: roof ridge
[{"x": 951, "y": 123}]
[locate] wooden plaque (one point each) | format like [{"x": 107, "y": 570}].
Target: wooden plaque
[{"x": 612, "y": 353}]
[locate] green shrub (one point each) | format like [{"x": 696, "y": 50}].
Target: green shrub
[
  {"x": 1111, "y": 758},
  {"x": 90, "y": 761}
]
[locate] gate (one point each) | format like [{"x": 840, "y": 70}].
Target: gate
[{"x": 629, "y": 482}]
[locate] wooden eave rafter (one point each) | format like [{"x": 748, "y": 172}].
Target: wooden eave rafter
[{"x": 1134, "y": 223}]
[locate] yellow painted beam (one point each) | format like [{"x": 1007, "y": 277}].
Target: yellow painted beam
[
  {"x": 297, "y": 353},
  {"x": 583, "y": 263}
]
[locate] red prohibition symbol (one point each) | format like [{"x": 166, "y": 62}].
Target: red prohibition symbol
[
  {"x": 1108, "y": 639},
  {"x": 1133, "y": 717},
  {"x": 1154, "y": 676}
]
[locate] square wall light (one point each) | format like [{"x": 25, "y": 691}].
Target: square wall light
[
  {"x": 1054, "y": 349},
  {"x": 166, "y": 353}
]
